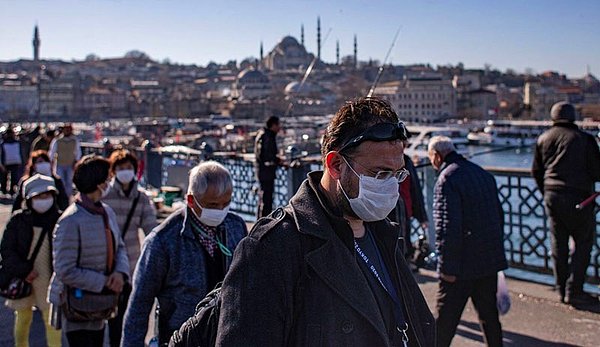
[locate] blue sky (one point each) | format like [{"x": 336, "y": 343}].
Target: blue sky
[{"x": 538, "y": 34}]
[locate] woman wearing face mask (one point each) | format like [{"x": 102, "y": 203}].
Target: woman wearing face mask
[
  {"x": 135, "y": 212},
  {"x": 26, "y": 229},
  {"x": 90, "y": 260},
  {"x": 39, "y": 162}
]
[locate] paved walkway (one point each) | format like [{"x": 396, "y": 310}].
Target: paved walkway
[{"x": 536, "y": 318}]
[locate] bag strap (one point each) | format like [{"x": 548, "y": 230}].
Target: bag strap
[
  {"x": 130, "y": 215},
  {"x": 38, "y": 245}
]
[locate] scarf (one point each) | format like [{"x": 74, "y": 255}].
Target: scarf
[
  {"x": 97, "y": 209},
  {"x": 208, "y": 238}
]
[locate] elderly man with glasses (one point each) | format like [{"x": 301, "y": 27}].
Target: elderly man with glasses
[{"x": 328, "y": 268}]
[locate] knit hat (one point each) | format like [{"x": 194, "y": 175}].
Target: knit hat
[
  {"x": 562, "y": 112},
  {"x": 38, "y": 184}
]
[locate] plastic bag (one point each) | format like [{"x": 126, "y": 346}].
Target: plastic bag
[{"x": 502, "y": 295}]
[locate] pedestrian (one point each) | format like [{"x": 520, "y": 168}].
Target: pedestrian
[
  {"x": 265, "y": 151},
  {"x": 469, "y": 226},
  {"x": 184, "y": 257},
  {"x": 42, "y": 142},
  {"x": 328, "y": 269},
  {"x": 26, "y": 252},
  {"x": 410, "y": 205},
  {"x": 90, "y": 260},
  {"x": 11, "y": 160},
  {"x": 39, "y": 162},
  {"x": 135, "y": 212},
  {"x": 566, "y": 165},
  {"x": 65, "y": 151}
]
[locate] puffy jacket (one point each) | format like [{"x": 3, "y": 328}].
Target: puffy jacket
[
  {"x": 566, "y": 158},
  {"x": 469, "y": 220}
]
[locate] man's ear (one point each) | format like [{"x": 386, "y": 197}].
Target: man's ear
[
  {"x": 333, "y": 162},
  {"x": 190, "y": 200}
]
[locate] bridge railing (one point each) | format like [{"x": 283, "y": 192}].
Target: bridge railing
[{"x": 527, "y": 236}]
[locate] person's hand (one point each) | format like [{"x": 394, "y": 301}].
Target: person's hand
[
  {"x": 115, "y": 282},
  {"x": 448, "y": 278},
  {"x": 32, "y": 275}
]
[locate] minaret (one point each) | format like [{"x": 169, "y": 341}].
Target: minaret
[
  {"x": 355, "y": 52},
  {"x": 302, "y": 35},
  {"x": 337, "y": 52},
  {"x": 261, "y": 52},
  {"x": 319, "y": 38},
  {"x": 36, "y": 44}
]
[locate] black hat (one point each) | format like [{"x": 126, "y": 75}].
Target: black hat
[{"x": 562, "y": 112}]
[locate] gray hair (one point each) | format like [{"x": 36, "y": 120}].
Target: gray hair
[
  {"x": 441, "y": 144},
  {"x": 209, "y": 173}
]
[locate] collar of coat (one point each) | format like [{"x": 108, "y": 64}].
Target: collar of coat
[{"x": 451, "y": 158}]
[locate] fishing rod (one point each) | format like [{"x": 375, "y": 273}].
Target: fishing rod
[
  {"x": 306, "y": 74},
  {"x": 589, "y": 200},
  {"x": 495, "y": 150},
  {"x": 380, "y": 71}
]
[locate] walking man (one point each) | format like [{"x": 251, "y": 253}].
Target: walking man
[
  {"x": 565, "y": 167},
  {"x": 328, "y": 269},
  {"x": 469, "y": 225},
  {"x": 265, "y": 150},
  {"x": 65, "y": 151}
]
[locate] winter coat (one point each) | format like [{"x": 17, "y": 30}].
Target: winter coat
[
  {"x": 144, "y": 217},
  {"x": 296, "y": 281},
  {"x": 566, "y": 158},
  {"x": 79, "y": 234},
  {"x": 265, "y": 150},
  {"x": 469, "y": 220},
  {"x": 17, "y": 240},
  {"x": 172, "y": 268}
]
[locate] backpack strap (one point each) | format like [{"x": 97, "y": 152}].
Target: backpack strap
[{"x": 130, "y": 215}]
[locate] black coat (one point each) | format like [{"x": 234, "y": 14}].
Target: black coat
[
  {"x": 17, "y": 239},
  {"x": 566, "y": 158},
  {"x": 295, "y": 280},
  {"x": 469, "y": 220},
  {"x": 265, "y": 151}
]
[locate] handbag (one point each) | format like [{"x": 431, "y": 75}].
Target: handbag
[
  {"x": 18, "y": 288},
  {"x": 81, "y": 305}
]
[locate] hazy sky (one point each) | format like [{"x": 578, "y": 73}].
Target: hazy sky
[{"x": 518, "y": 34}]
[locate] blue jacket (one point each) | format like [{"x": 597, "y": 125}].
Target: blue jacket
[
  {"x": 469, "y": 220},
  {"x": 172, "y": 269}
]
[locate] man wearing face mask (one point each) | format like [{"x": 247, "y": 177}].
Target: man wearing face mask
[
  {"x": 469, "y": 223},
  {"x": 186, "y": 256},
  {"x": 135, "y": 212},
  {"x": 328, "y": 269}
]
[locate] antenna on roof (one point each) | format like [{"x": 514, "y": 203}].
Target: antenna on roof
[{"x": 380, "y": 71}]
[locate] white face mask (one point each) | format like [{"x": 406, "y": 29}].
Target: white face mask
[
  {"x": 125, "y": 176},
  {"x": 376, "y": 198},
  {"x": 42, "y": 205},
  {"x": 211, "y": 216},
  {"x": 43, "y": 168},
  {"x": 105, "y": 191}
]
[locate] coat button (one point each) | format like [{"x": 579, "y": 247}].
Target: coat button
[{"x": 347, "y": 327}]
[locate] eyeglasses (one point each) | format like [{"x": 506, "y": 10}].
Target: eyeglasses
[
  {"x": 378, "y": 132},
  {"x": 401, "y": 175}
]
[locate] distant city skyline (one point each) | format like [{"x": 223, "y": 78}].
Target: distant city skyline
[{"x": 542, "y": 35}]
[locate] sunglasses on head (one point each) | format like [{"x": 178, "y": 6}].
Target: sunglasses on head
[{"x": 378, "y": 132}]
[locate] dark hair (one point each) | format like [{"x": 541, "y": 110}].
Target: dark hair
[
  {"x": 353, "y": 118},
  {"x": 90, "y": 171},
  {"x": 122, "y": 156},
  {"x": 29, "y": 169},
  {"x": 272, "y": 121}
]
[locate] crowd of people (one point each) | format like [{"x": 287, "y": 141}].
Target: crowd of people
[{"x": 333, "y": 267}]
